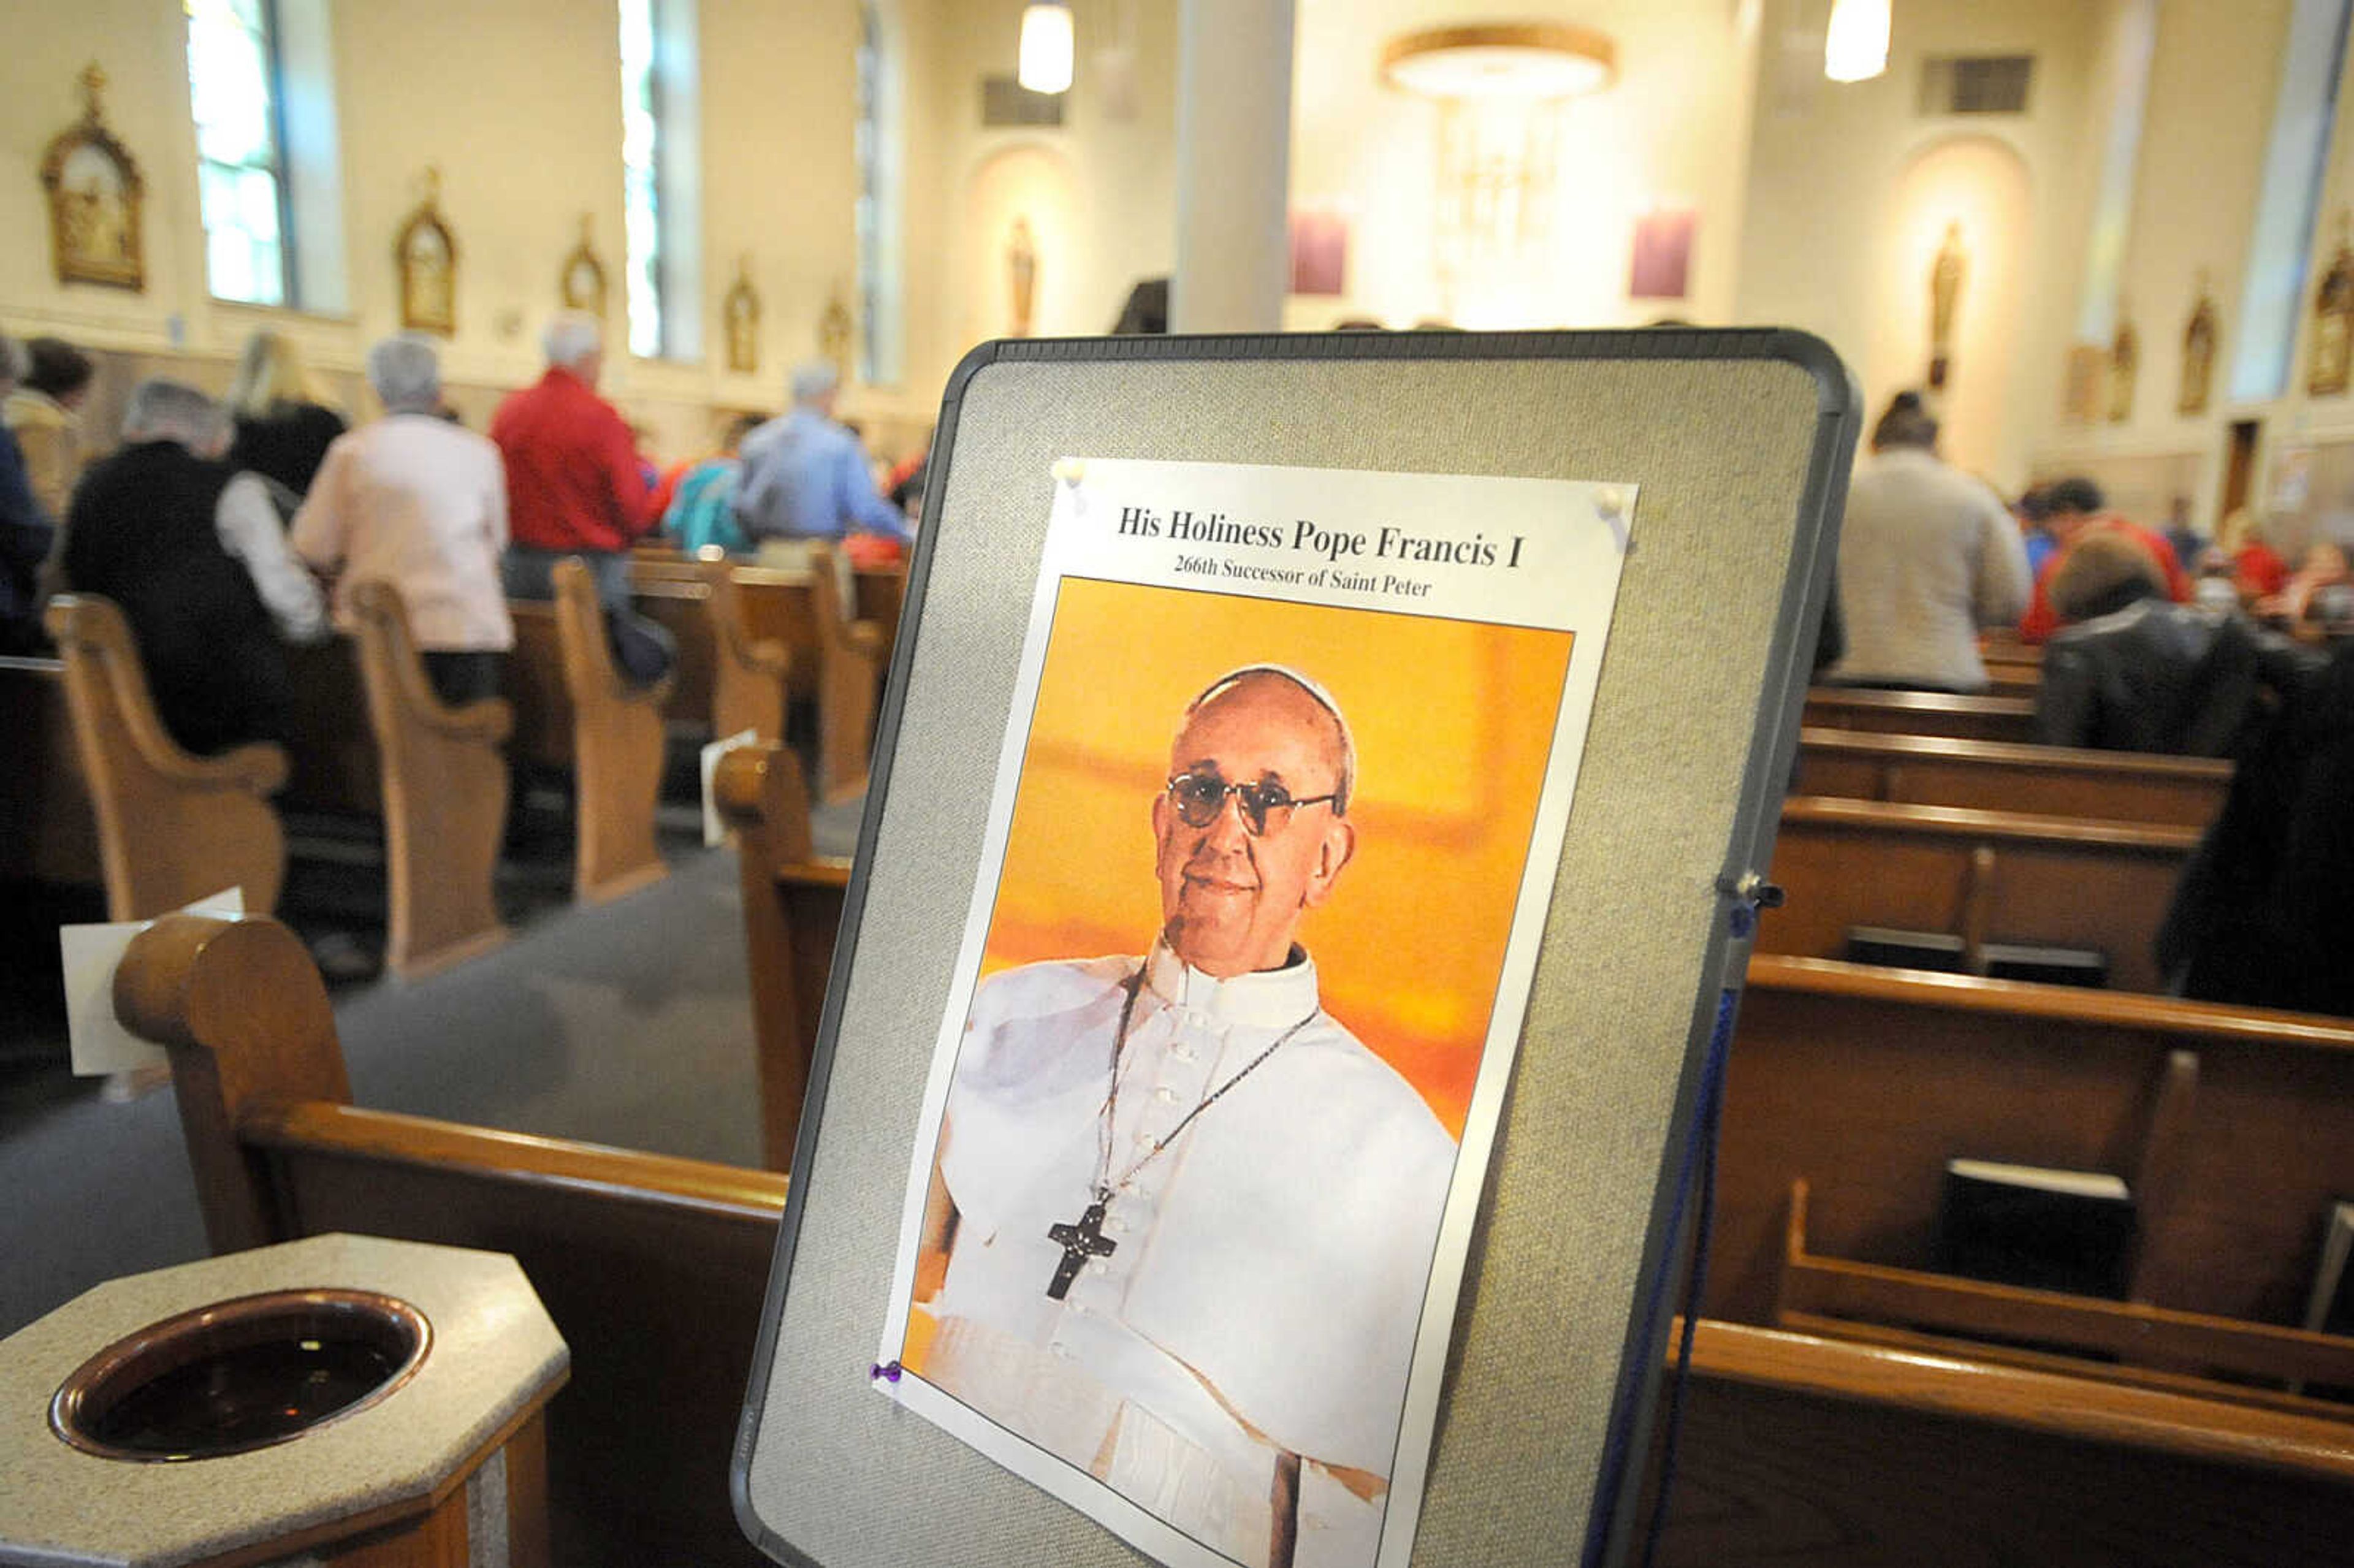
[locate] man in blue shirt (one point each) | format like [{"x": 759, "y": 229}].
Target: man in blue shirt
[{"x": 805, "y": 477}]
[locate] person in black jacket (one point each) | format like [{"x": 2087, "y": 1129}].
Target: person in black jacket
[
  {"x": 194, "y": 554},
  {"x": 2131, "y": 671},
  {"x": 2261, "y": 917}
]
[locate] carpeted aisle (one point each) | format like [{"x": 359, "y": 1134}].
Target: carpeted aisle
[{"x": 629, "y": 1024}]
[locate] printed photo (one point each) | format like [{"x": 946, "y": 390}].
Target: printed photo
[{"x": 1204, "y": 1121}]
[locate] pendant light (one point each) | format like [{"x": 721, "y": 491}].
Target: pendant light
[
  {"x": 1856, "y": 47},
  {"x": 1047, "y": 47}
]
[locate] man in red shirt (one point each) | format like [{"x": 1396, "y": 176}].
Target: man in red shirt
[
  {"x": 575, "y": 486},
  {"x": 2078, "y": 507}
]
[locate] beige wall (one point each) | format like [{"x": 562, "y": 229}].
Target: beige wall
[
  {"x": 519, "y": 104},
  {"x": 1838, "y": 242},
  {"x": 1099, "y": 190},
  {"x": 1670, "y": 131}
]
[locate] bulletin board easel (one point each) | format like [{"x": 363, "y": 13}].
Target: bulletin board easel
[{"x": 1740, "y": 441}]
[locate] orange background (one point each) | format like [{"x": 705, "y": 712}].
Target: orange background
[{"x": 1452, "y": 722}]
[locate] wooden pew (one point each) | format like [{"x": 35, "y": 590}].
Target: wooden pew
[
  {"x": 1863, "y": 1082},
  {"x": 793, "y": 904},
  {"x": 49, "y": 829},
  {"x": 654, "y": 1268},
  {"x": 444, "y": 796},
  {"x": 725, "y": 678},
  {"x": 572, "y": 709},
  {"x": 1998, "y": 775},
  {"x": 882, "y": 598},
  {"x": 172, "y": 827},
  {"x": 1984, "y": 877},
  {"x": 836, "y": 662},
  {"x": 1923, "y": 712},
  {"x": 1796, "y": 1449}
]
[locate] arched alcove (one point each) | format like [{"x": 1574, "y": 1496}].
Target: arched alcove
[
  {"x": 1980, "y": 183},
  {"x": 1036, "y": 185}
]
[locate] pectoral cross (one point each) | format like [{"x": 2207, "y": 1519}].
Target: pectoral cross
[{"x": 1079, "y": 1243}]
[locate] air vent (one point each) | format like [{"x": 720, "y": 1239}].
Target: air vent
[
  {"x": 1975, "y": 84},
  {"x": 1005, "y": 101}
]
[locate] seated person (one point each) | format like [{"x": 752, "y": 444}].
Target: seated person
[
  {"x": 2261, "y": 916},
  {"x": 2076, "y": 507},
  {"x": 193, "y": 553},
  {"x": 2131, "y": 672},
  {"x": 26, "y": 532},
  {"x": 2320, "y": 590},
  {"x": 702, "y": 509},
  {"x": 44, "y": 412},
  {"x": 417, "y": 501},
  {"x": 2257, "y": 567}
]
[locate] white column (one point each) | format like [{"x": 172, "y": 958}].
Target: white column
[{"x": 1233, "y": 165}]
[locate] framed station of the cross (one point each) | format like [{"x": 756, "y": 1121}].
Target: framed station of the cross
[{"x": 1272, "y": 838}]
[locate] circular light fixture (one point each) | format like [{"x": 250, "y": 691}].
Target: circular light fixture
[{"x": 1500, "y": 59}]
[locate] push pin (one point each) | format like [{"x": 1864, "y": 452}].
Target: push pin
[
  {"x": 1610, "y": 505},
  {"x": 1070, "y": 471},
  {"x": 884, "y": 1371}
]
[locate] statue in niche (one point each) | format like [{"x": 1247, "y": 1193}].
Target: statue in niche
[
  {"x": 95, "y": 193},
  {"x": 2333, "y": 321},
  {"x": 582, "y": 284},
  {"x": 1945, "y": 274},
  {"x": 2198, "y": 352},
  {"x": 2125, "y": 363},
  {"x": 1021, "y": 271},
  {"x": 834, "y": 336},
  {"x": 741, "y": 314},
  {"x": 426, "y": 254}
]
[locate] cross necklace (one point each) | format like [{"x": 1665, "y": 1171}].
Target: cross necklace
[{"x": 1084, "y": 1239}]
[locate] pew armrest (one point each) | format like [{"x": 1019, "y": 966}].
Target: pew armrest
[
  {"x": 487, "y": 722},
  {"x": 864, "y": 638},
  {"x": 259, "y": 768}
]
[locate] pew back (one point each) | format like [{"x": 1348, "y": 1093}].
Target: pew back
[
  {"x": 173, "y": 828},
  {"x": 1984, "y": 877},
  {"x": 2001, "y": 776},
  {"x": 2011, "y": 718}
]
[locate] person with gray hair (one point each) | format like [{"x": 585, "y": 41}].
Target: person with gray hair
[
  {"x": 577, "y": 486},
  {"x": 422, "y": 504},
  {"x": 805, "y": 476},
  {"x": 27, "y": 530},
  {"x": 195, "y": 555}
]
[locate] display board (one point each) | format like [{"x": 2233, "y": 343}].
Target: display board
[{"x": 1304, "y": 867}]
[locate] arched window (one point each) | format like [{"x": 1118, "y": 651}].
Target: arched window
[
  {"x": 661, "y": 188},
  {"x": 237, "y": 96}
]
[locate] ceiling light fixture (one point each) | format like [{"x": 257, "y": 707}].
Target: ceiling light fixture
[
  {"x": 1046, "y": 48},
  {"x": 1500, "y": 59},
  {"x": 1856, "y": 47}
]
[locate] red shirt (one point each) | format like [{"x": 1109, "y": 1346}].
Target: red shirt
[
  {"x": 2041, "y": 621},
  {"x": 574, "y": 480}
]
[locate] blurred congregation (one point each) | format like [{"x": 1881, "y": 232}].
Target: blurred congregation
[{"x": 433, "y": 432}]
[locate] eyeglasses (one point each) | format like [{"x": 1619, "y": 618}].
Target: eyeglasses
[{"x": 1265, "y": 808}]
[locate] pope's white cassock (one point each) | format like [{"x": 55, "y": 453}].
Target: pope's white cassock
[{"x": 1267, "y": 1270}]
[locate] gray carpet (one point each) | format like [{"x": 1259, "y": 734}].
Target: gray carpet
[{"x": 629, "y": 1024}]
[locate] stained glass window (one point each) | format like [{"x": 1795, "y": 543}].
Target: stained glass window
[
  {"x": 234, "y": 93},
  {"x": 642, "y": 110}
]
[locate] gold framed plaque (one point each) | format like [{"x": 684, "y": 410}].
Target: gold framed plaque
[
  {"x": 426, "y": 255},
  {"x": 582, "y": 283},
  {"x": 95, "y": 193}
]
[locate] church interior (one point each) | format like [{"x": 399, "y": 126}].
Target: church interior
[{"x": 2031, "y": 1216}]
